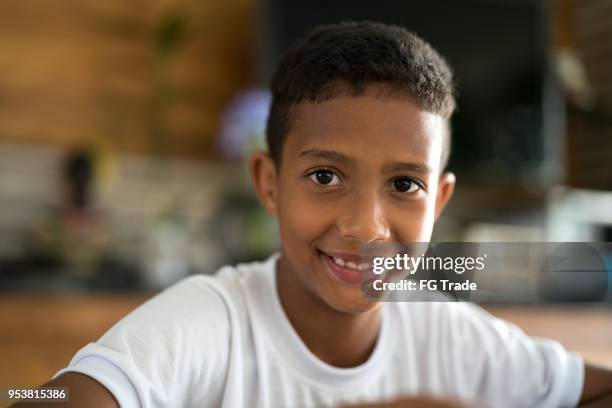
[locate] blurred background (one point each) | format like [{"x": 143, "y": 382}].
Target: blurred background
[{"x": 124, "y": 130}]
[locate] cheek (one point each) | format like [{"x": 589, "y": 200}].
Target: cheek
[
  {"x": 413, "y": 223},
  {"x": 302, "y": 219},
  {"x": 426, "y": 227},
  {"x": 427, "y": 221}
]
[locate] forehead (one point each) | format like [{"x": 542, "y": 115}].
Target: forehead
[{"x": 366, "y": 127}]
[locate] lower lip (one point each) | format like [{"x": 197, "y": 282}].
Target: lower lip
[{"x": 345, "y": 275}]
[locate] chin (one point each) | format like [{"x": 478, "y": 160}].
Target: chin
[{"x": 352, "y": 304}]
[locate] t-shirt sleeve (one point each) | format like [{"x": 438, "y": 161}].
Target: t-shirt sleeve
[
  {"x": 500, "y": 366},
  {"x": 153, "y": 356}
]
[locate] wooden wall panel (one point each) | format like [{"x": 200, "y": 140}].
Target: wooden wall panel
[
  {"x": 587, "y": 28},
  {"x": 73, "y": 71}
]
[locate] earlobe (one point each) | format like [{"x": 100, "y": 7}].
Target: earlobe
[
  {"x": 263, "y": 174},
  {"x": 446, "y": 188}
]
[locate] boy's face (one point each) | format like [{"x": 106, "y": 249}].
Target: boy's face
[{"x": 355, "y": 170}]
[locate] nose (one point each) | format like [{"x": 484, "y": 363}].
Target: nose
[{"x": 364, "y": 220}]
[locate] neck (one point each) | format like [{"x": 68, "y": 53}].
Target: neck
[{"x": 339, "y": 339}]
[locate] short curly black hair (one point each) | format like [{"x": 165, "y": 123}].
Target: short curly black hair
[{"x": 345, "y": 58}]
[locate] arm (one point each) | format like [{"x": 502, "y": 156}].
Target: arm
[
  {"x": 597, "y": 390},
  {"x": 84, "y": 391}
]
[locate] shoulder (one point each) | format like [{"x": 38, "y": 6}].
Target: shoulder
[
  {"x": 198, "y": 303},
  {"x": 187, "y": 322},
  {"x": 488, "y": 352},
  {"x": 191, "y": 299},
  {"x": 210, "y": 303},
  {"x": 454, "y": 316},
  {"x": 461, "y": 332},
  {"x": 176, "y": 343}
]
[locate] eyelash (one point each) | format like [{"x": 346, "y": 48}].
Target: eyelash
[
  {"x": 310, "y": 175},
  {"x": 418, "y": 185},
  {"x": 322, "y": 169}
]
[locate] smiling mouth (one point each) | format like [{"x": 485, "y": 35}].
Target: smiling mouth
[{"x": 349, "y": 269}]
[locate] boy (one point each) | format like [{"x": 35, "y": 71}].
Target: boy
[{"x": 358, "y": 141}]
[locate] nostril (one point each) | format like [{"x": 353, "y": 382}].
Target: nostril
[{"x": 365, "y": 232}]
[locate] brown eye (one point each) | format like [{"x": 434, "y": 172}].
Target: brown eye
[
  {"x": 404, "y": 185},
  {"x": 324, "y": 177}
]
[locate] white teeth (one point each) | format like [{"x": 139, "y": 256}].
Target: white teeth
[{"x": 351, "y": 265}]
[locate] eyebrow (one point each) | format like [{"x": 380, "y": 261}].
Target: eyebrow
[
  {"x": 332, "y": 155},
  {"x": 420, "y": 168},
  {"x": 318, "y": 154}
]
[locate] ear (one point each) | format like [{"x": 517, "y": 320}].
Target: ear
[
  {"x": 446, "y": 187},
  {"x": 263, "y": 173}
]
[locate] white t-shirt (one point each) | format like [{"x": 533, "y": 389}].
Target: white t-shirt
[{"x": 225, "y": 341}]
